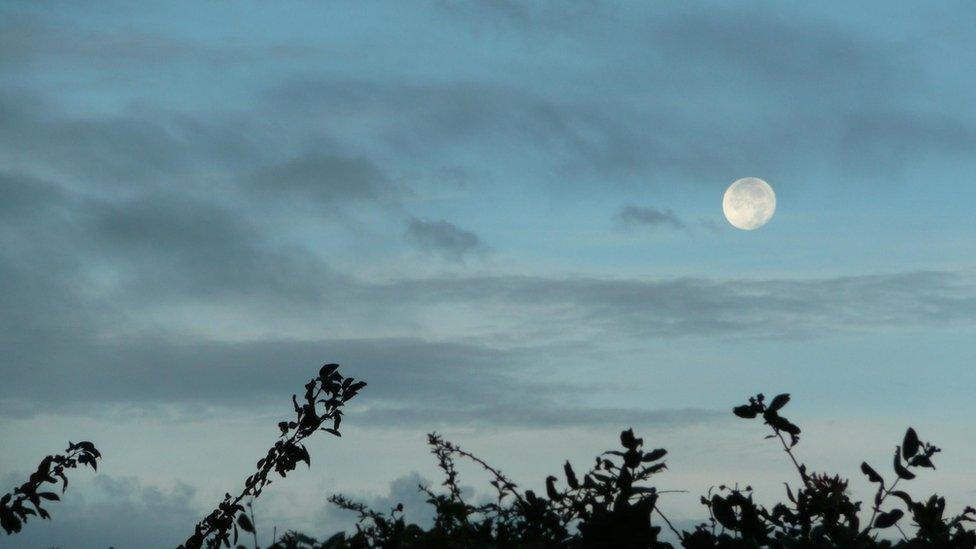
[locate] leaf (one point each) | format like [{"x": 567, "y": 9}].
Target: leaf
[
  {"x": 654, "y": 455},
  {"x": 789, "y": 493},
  {"x": 922, "y": 460},
  {"x": 745, "y": 411},
  {"x": 303, "y": 455},
  {"x": 87, "y": 446},
  {"x": 887, "y": 520},
  {"x": 904, "y": 497},
  {"x": 654, "y": 468},
  {"x": 49, "y": 496},
  {"x": 570, "y": 476},
  {"x": 64, "y": 479},
  {"x": 778, "y": 402},
  {"x": 601, "y": 477},
  {"x": 911, "y": 444},
  {"x": 872, "y": 475},
  {"x": 900, "y": 469},
  {"x": 326, "y": 371},
  {"x": 781, "y": 423},
  {"x": 357, "y": 386},
  {"x": 9, "y": 521},
  {"x": 245, "y": 523},
  {"x": 723, "y": 512},
  {"x": 551, "y": 490},
  {"x": 627, "y": 439}
]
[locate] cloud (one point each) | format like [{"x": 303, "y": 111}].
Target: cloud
[
  {"x": 538, "y": 411},
  {"x": 411, "y": 382},
  {"x": 160, "y": 297},
  {"x": 700, "y": 307},
  {"x": 114, "y": 511},
  {"x": 631, "y": 215},
  {"x": 404, "y": 489},
  {"x": 325, "y": 180},
  {"x": 444, "y": 238}
]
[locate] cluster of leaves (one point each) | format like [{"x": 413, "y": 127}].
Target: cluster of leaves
[
  {"x": 319, "y": 410},
  {"x": 610, "y": 505},
  {"x": 14, "y": 508},
  {"x": 820, "y": 512},
  {"x": 613, "y": 506}
]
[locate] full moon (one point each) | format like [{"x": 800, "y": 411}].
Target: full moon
[{"x": 749, "y": 203}]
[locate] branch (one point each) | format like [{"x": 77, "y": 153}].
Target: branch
[
  {"x": 284, "y": 456},
  {"x": 13, "y": 508}
]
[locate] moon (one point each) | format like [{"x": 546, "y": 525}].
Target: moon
[{"x": 749, "y": 203}]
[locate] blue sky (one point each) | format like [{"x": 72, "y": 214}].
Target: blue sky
[{"x": 200, "y": 203}]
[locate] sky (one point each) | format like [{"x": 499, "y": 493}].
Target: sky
[{"x": 505, "y": 217}]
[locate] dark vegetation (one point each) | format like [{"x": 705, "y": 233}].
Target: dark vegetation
[
  {"x": 13, "y": 506},
  {"x": 319, "y": 410},
  {"x": 612, "y": 504}
]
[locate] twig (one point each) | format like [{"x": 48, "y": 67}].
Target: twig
[{"x": 671, "y": 526}]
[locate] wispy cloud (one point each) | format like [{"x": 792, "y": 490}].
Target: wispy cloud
[
  {"x": 444, "y": 238},
  {"x": 631, "y": 215}
]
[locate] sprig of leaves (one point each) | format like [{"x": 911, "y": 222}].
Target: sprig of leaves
[
  {"x": 14, "y": 508},
  {"x": 319, "y": 410}
]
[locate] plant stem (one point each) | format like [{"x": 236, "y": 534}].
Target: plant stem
[
  {"x": 671, "y": 526},
  {"x": 877, "y": 508},
  {"x": 789, "y": 452},
  {"x": 254, "y": 525}
]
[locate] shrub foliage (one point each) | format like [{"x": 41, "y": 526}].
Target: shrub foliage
[
  {"x": 14, "y": 508},
  {"x": 614, "y": 505},
  {"x": 611, "y": 504},
  {"x": 319, "y": 410}
]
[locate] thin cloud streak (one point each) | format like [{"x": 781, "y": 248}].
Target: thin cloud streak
[{"x": 632, "y": 215}]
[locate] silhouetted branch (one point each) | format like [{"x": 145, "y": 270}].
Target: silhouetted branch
[
  {"x": 13, "y": 506},
  {"x": 324, "y": 397},
  {"x": 612, "y": 506}
]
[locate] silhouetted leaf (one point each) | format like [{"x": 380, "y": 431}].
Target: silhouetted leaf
[
  {"x": 887, "y": 520},
  {"x": 551, "y": 490},
  {"x": 9, "y": 522},
  {"x": 872, "y": 475},
  {"x": 778, "y": 402},
  {"x": 745, "y": 411},
  {"x": 911, "y": 444},
  {"x": 904, "y": 497},
  {"x": 922, "y": 460},
  {"x": 570, "y": 476},
  {"x": 789, "y": 493},
  {"x": 781, "y": 423},
  {"x": 627, "y": 439},
  {"x": 654, "y": 455},
  {"x": 245, "y": 523},
  {"x": 900, "y": 469},
  {"x": 723, "y": 512},
  {"x": 326, "y": 371}
]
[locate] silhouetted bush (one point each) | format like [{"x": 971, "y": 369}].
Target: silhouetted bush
[
  {"x": 13, "y": 506},
  {"x": 613, "y": 505}
]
